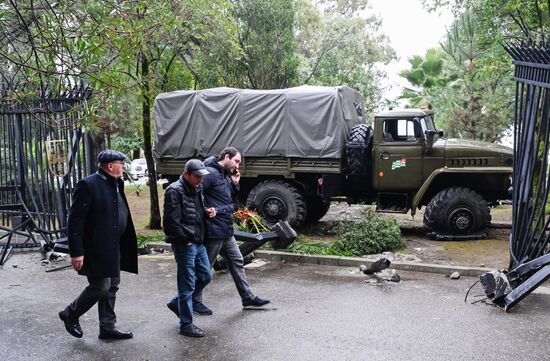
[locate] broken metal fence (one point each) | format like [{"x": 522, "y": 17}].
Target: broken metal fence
[
  {"x": 43, "y": 153},
  {"x": 529, "y": 252}
]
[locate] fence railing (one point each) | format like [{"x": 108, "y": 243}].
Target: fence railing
[{"x": 43, "y": 153}]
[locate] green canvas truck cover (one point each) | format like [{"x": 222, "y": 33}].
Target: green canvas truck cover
[{"x": 303, "y": 122}]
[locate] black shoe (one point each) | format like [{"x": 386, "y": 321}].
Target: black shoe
[
  {"x": 174, "y": 308},
  {"x": 200, "y": 309},
  {"x": 192, "y": 331},
  {"x": 72, "y": 326},
  {"x": 114, "y": 334},
  {"x": 257, "y": 302}
]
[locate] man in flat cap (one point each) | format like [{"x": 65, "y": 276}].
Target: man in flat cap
[
  {"x": 185, "y": 226},
  {"x": 102, "y": 242}
]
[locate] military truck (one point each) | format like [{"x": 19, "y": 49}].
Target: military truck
[{"x": 303, "y": 146}]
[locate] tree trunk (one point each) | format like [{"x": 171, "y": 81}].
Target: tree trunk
[{"x": 154, "y": 210}]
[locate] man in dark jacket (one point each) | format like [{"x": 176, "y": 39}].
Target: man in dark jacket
[
  {"x": 184, "y": 227},
  {"x": 220, "y": 189},
  {"x": 102, "y": 242}
]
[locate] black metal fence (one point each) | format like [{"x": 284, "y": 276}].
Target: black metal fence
[
  {"x": 531, "y": 179},
  {"x": 43, "y": 152},
  {"x": 529, "y": 252}
]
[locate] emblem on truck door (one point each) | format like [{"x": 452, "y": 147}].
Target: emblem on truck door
[{"x": 399, "y": 163}]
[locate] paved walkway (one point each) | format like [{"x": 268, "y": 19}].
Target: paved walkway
[{"x": 317, "y": 313}]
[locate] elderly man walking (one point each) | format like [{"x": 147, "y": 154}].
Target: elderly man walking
[{"x": 102, "y": 242}]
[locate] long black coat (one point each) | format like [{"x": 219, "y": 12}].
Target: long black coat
[{"x": 93, "y": 228}]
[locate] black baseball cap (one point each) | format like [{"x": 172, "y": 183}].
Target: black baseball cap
[
  {"x": 196, "y": 167},
  {"x": 109, "y": 155}
]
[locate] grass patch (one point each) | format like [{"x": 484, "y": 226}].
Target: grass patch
[{"x": 154, "y": 236}]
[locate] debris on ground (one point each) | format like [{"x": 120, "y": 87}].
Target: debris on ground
[
  {"x": 454, "y": 276},
  {"x": 378, "y": 265},
  {"x": 257, "y": 262},
  {"x": 379, "y": 269},
  {"x": 395, "y": 277}
]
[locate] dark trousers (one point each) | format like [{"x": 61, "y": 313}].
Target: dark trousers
[
  {"x": 101, "y": 291},
  {"x": 231, "y": 253}
]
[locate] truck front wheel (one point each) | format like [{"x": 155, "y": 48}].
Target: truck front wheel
[
  {"x": 276, "y": 200},
  {"x": 457, "y": 211}
]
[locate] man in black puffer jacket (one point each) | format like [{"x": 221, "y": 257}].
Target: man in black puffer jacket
[
  {"x": 220, "y": 187},
  {"x": 184, "y": 227}
]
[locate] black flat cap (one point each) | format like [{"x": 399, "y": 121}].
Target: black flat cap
[{"x": 109, "y": 155}]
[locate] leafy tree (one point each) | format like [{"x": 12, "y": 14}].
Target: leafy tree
[
  {"x": 525, "y": 19},
  {"x": 338, "y": 45},
  {"x": 467, "y": 81},
  {"x": 481, "y": 109},
  {"x": 124, "y": 49},
  {"x": 266, "y": 38},
  {"x": 428, "y": 76},
  {"x": 150, "y": 40}
]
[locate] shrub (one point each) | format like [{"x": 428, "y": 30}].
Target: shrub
[{"x": 368, "y": 235}]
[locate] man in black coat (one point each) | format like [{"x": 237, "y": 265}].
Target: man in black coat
[{"x": 102, "y": 242}]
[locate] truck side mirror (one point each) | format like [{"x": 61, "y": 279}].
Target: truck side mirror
[{"x": 430, "y": 134}]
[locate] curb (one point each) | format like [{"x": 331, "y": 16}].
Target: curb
[
  {"x": 278, "y": 256},
  {"x": 357, "y": 261}
]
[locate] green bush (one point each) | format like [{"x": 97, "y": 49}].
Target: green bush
[{"x": 368, "y": 235}]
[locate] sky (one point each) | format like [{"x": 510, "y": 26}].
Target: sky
[{"x": 411, "y": 30}]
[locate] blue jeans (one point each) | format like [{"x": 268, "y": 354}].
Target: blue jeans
[{"x": 193, "y": 273}]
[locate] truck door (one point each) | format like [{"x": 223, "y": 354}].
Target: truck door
[{"x": 398, "y": 156}]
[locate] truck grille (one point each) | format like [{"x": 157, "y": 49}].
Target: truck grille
[{"x": 467, "y": 162}]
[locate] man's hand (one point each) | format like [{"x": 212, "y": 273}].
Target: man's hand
[
  {"x": 77, "y": 262},
  {"x": 236, "y": 177},
  {"x": 211, "y": 212}
]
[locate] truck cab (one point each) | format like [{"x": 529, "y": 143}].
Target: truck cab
[{"x": 413, "y": 163}]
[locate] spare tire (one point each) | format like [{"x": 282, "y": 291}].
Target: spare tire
[
  {"x": 277, "y": 200},
  {"x": 457, "y": 211},
  {"x": 359, "y": 142}
]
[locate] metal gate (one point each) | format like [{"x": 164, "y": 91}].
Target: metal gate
[
  {"x": 43, "y": 153},
  {"x": 529, "y": 252}
]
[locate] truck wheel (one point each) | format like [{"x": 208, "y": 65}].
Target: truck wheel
[
  {"x": 357, "y": 157},
  {"x": 317, "y": 207},
  {"x": 457, "y": 211},
  {"x": 276, "y": 200}
]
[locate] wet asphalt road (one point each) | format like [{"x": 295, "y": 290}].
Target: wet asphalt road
[{"x": 317, "y": 313}]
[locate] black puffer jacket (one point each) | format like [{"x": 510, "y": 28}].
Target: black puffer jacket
[
  {"x": 184, "y": 215},
  {"x": 219, "y": 192}
]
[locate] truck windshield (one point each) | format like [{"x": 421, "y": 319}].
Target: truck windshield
[{"x": 427, "y": 123}]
